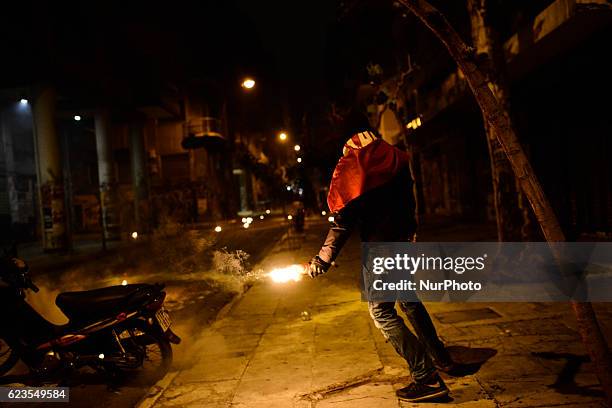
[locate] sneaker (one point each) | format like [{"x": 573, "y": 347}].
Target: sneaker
[{"x": 417, "y": 391}]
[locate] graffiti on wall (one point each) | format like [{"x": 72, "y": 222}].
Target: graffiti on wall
[{"x": 53, "y": 215}]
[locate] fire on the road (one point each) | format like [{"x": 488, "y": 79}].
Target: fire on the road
[{"x": 288, "y": 273}]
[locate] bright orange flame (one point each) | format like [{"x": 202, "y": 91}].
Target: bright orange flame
[
  {"x": 248, "y": 83},
  {"x": 289, "y": 273}
]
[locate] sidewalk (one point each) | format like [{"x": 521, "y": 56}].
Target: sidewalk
[
  {"x": 85, "y": 247},
  {"x": 263, "y": 354}
]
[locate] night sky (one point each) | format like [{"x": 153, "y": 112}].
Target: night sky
[{"x": 95, "y": 46}]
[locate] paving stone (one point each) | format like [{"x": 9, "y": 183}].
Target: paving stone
[
  {"x": 469, "y": 315},
  {"x": 537, "y": 391},
  {"x": 214, "y": 369},
  {"x": 198, "y": 394},
  {"x": 262, "y": 354},
  {"x": 369, "y": 395}
]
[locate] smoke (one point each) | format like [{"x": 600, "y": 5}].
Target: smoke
[{"x": 187, "y": 261}]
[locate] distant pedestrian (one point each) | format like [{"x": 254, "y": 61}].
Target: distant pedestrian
[{"x": 371, "y": 189}]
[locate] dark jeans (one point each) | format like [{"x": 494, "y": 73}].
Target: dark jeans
[{"x": 417, "y": 350}]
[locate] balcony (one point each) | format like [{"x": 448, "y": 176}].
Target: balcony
[{"x": 204, "y": 132}]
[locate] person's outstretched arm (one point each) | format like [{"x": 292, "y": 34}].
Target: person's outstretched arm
[{"x": 340, "y": 231}]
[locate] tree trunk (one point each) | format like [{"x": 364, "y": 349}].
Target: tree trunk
[
  {"x": 511, "y": 212},
  {"x": 499, "y": 121}
]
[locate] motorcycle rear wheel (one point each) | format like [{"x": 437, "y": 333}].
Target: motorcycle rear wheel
[
  {"x": 156, "y": 348},
  {"x": 8, "y": 357}
]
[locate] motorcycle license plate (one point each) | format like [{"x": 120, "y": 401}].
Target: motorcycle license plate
[{"x": 163, "y": 318}]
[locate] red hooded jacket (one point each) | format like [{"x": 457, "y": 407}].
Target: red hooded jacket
[
  {"x": 367, "y": 162},
  {"x": 371, "y": 188}
]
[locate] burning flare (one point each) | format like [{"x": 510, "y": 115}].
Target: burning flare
[{"x": 289, "y": 273}]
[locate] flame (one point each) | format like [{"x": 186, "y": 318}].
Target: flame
[{"x": 289, "y": 273}]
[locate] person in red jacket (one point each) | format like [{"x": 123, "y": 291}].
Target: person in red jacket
[{"x": 371, "y": 190}]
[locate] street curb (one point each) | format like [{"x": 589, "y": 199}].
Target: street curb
[
  {"x": 156, "y": 390},
  {"x": 230, "y": 305}
]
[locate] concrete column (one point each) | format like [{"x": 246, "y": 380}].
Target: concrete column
[
  {"x": 6, "y": 171},
  {"x": 140, "y": 178},
  {"x": 49, "y": 166},
  {"x": 106, "y": 176},
  {"x": 11, "y": 176}
]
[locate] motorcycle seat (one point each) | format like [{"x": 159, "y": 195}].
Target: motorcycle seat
[{"x": 97, "y": 303}]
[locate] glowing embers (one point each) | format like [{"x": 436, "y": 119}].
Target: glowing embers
[{"x": 291, "y": 273}]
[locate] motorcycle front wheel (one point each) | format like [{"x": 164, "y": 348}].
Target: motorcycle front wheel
[{"x": 8, "y": 357}]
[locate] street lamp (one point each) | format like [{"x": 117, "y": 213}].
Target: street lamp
[
  {"x": 23, "y": 101},
  {"x": 297, "y": 148},
  {"x": 282, "y": 136},
  {"x": 299, "y": 159},
  {"x": 77, "y": 118},
  {"x": 248, "y": 83}
]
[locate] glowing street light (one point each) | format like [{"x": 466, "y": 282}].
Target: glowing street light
[
  {"x": 135, "y": 235},
  {"x": 261, "y": 217},
  {"x": 23, "y": 101},
  {"x": 218, "y": 228},
  {"x": 323, "y": 212},
  {"x": 282, "y": 136},
  {"x": 77, "y": 118},
  {"x": 330, "y": 219},
  {"x": 248, "y": 83},
  {"x": 268, "y": 211},
  {"x": 297, "y": 148},
  {"x": 290, "y": 217},
  {"x": 299, "y": 159}
]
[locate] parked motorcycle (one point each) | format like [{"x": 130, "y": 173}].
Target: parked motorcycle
[{"x": 112, "y": 329}]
